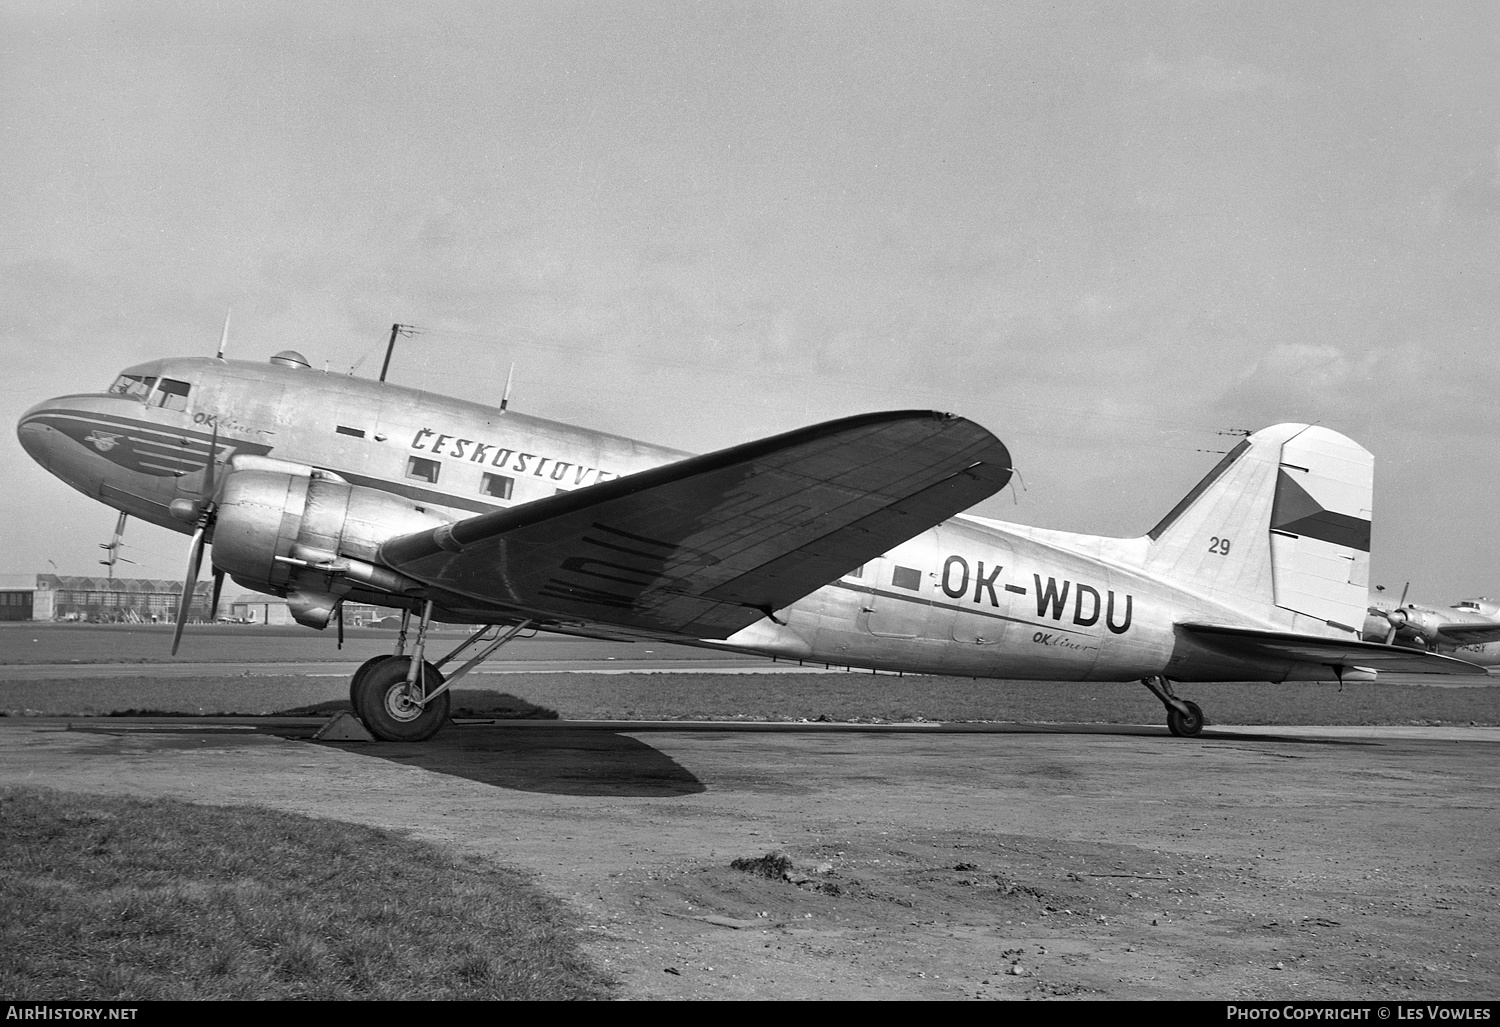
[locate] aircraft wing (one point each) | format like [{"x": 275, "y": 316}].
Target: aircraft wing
[
  {"x": 1331, "y": 652},
  {"x": 708, "y": 545},
  {"x": 1461, "y": 633}
]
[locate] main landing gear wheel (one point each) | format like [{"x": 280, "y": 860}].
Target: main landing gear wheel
[
  {"x": 382, "y": 702},
  {"x": 1185, "y": 725},
  {"x": 364, "y": 668}
]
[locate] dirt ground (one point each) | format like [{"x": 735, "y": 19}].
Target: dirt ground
[{"x": 1090, "y": 862}]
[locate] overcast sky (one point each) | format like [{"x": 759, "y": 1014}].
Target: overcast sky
[{"x": 1104, "y": 231}]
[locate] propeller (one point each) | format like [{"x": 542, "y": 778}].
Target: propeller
[
  {"x": 1398, "y": 617},
  {"x": 205, "y": 508}
]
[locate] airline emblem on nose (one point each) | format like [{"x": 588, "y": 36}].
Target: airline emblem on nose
[{"x": 103, "y": 441}]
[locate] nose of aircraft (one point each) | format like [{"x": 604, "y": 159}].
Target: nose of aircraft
[{"x": 35, "y": 435}]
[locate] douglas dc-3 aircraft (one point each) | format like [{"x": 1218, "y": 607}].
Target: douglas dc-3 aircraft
[
  {"x": 1470, "y": 628},
  {"x": 839, "y": 543}
]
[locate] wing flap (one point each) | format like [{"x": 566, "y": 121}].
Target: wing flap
[
  {"x": 1329, "y": 652},
  {"x": 705, "y": 546}
]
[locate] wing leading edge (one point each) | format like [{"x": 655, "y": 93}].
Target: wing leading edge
[
  {"x": 708, "y": 545},
  {"x": 1256, "y": 644}
]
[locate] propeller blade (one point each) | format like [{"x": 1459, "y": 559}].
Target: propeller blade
[
  {"x": 1404, "y": 589},
  {"x": 195, "y": 550},
  {"x": 1397, "y": 620},
  {"x": 195, "y": 557}
]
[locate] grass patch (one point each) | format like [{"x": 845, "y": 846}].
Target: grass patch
[
  {"x": 122, "y": 899},
  {"x": 855, "y": 696}
]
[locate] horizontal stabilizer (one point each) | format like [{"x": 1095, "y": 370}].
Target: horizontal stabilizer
[
  {"x": 1254, "y": 643},
  {"x": 708, "y": 545}
]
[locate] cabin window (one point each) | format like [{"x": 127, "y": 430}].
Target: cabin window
[
  {"x": 907, "y": 577},
  {"x": 170, "y": 394},
  {"x": 497, "y": 485},
  {"x": 357, "y": 433},
  {"x": 132, "y": 385},
  {"x": 858, "y": 572},
  {"x": 422, "y": 469}
]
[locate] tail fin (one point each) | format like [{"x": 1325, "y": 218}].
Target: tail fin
[{"x": 1282, "y": 522}]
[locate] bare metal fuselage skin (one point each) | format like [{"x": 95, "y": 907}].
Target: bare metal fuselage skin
[{"x": 968, "y": 597}]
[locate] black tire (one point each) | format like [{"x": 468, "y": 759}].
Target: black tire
[
  {"x": 380, "y": 701},
  {"x": 1185, "y": 725},
  {"x": 364, "y": 668}
]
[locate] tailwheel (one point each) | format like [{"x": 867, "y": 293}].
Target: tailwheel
[
  {"x": 364, "y": 668},
  {"x": 1185, "y": 724},
  {"x": 388, "y": 709},
  {"x": 1184, "y": 719}
]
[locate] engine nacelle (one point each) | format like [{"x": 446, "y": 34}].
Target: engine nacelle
[
  {"x": 1376, "y": 627},
  {"x": 1415, "y": 629},
  {"x": 311, "y": 538}
]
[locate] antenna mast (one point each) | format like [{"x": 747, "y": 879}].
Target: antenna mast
[{"x": 390, "y": 347}]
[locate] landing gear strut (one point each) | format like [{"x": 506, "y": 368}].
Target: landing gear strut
[
  {"x": 404, "y": 698},
  {"x": 1184, "y": 719}
]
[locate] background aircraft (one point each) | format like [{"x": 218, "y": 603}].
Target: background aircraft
[
  {"x": 841, "y": 542},
  {"x": 1470, "y": 628}
]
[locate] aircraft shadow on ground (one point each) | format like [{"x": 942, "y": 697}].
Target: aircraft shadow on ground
[
  {"x": 555, "y": 761},
  {"x": 1209, "y": 734}
]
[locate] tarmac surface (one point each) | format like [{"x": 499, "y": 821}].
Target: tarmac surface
[{"x": 927, "y": 860}]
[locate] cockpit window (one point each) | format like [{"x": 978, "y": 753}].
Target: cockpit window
[
  {"x": 132, "y": 385},
  {"x": 171, "y": 394}
]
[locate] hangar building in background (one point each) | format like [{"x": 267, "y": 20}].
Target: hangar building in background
[
  {"x": 104, "y": 600},
  {"x": 17, "y": 596},
  {"x": 77, "y": 597}
]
